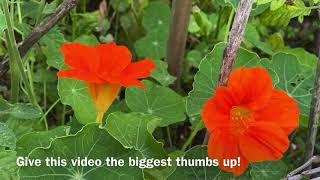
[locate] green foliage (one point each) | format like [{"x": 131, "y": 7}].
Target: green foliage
[
  {"x": 153, "y": 45},
  {"x": 268, "y": 170},
  {"x": 8, "y": 138},
  {"x": 134, "y": 130},
  {"x": 157, "y": 100},
  {"x": 282, "y": 16},
  {"x": 75, "y": 94},
  {"x": 293, "y": 78},
  {"x": 33, "y": 140},
  {"x": 161, "y": 74},
  {"x": 90, "y": 142},
  {"x": 8, "y": 168}
]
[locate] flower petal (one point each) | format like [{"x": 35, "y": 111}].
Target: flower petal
[
  {"x": 263, "y": 142},
  {"x": 80, "y": 75},
  {"x": 252, "y": 86},
  {"x": 138, "y": 70},
  {"x": 80, "y": 57},
  {"x": 114, "y": 59},
  {"x": 225, "y": 146},
  {"x": 216, "y": 112},
  {"x": 281, "y": 110},
  {"x": 133, "y": 82}
]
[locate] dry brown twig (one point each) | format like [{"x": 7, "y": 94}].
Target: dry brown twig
[{"x": 38, "y": 32}]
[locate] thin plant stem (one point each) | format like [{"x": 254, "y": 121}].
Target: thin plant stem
[
  {"x": 169, "y": 136},
  {"x": 19, "y": 11},
  {"x": 63, "y": 115},
  {"x": 193, "y": 134},
  {"x": 43, "y": 118},
  {"x": 229, "y": 25}
]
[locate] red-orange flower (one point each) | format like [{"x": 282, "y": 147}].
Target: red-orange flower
[
  {"x": 249, "y": 119},
  {"x": 105, "y": 69}
]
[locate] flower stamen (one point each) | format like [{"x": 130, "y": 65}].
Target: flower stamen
[{"x": 241, "y": 118}]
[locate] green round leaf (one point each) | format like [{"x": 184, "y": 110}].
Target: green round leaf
[
  {"x": 153, "y": 45},
  {"x": 268, "y": 170},
  {"x": 134, "y": 130},
  {"x": 293, "y": 78},
  {"x": 156, "y": 16},
  {"x": 75, "y": 94},
  {"x": 91, "y": 142},
  {"x": 8, "y": 138},
  {"x": 157, "y": 100},
  {"x": 33, "y": 140},
  {"x": 8, "y": 168},
  {"x": 161, "y": 74}
]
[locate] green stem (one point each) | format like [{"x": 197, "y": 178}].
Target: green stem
[
  {"x": 14, "y": 69},
  {"x": 44, "y": 117},
  {"x": 313, "y": 7},
  {"x": 63, "y": 116},
  {"x": 14, "y": 54},
  {"x": 169, "y": 136},
  {"x": 19, "y": 11},
  {"x": 229, "y": 25},
  {"x": 193, "y": 134}
]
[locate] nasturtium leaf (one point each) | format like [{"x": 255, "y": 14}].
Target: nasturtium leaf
[
  {"x": 87, "y": 40},
  {"x": 156, "y": 16},
  {"x": 268, "y": 170},
  {"x": 153, "y": 45},
  {"x": 292, "y": 77},
  {"x": 33, "y": 140},
  {"x": 157, "y": 100},
  {"x": 8, "y": 168},
  {"x": 51, "y": 44},
  {"x": 161, "y": 74},
  {"x": 276, "y": 4},
  {"x": 193, "y": 26},
  {"x": 194, "y": 57},
  {"x": 25, "y": 111},
  {"x": 134, "y": 130},
  {"x": 304, "y": 57},
  {"x": 75, "y": 94},
  {"x": 18, "y": 111},
  {"x": 44, "y": 75},
  {"x": 8, "y": 138},
  {"x": 282, "y": 16},
  {"x": 206, "y": 78},
  {"x": 20, "y": 126},
  {"x": 91, "y": 142}
]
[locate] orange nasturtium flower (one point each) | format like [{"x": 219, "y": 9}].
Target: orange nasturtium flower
[
  {"x": 105, "y": 69},
  {"x": 249, "y": 119}
]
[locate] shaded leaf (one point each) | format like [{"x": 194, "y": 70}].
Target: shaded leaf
[{"x": 161, "y": 74}]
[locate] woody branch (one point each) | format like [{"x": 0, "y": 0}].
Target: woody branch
[{"x": 38, "y": 32}]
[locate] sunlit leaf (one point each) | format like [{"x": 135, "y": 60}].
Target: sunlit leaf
[{"x": 157, "y": 100}]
